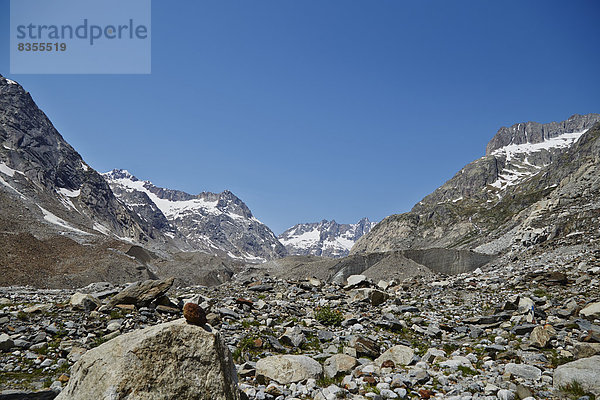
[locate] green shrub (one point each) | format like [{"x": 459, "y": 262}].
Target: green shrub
[{"x": 328, "y": 317}]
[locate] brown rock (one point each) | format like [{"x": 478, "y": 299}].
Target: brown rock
[
  {"x": 63, "y": 378},
  {"x": 194, "y": 314}
]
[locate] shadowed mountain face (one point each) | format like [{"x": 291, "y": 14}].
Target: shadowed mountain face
[
  {"x": 520, "y": 194},
  {"x": 61, "y": 224},
  {"x": 38, "y": 167},
  {"x": 325, "y": 238}
]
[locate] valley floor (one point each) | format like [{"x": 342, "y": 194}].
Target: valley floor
[{"x": 501, "y": 332}]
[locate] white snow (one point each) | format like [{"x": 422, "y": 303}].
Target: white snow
[
  {"x": 53, "y": 219},
  {"x": 85, "y": 167},
  {"x": 306, "y": 239},
  {"x": 523, "y": 168},
  {"x": 6, "y": 170},
  {"x": 562, "y": 141},
  {"x": 171, "y": 209},
  {"x": 2, "y": 181},
  {"x": 11, "y": 82},
  {"x": 69, "y": 193},
  {"x": 101, "y": 228}
]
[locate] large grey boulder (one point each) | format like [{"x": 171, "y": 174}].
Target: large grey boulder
[
  {"x": 6, "y": 342},
  {"x": 374, "y": 296},
  {"x": 524, "y": 371},
  {"x": 585, "y": 371},
  {"x": 288, "y": 368},
  {"x": 142, "y": 293},
  {"x": 591, "y": 311},
  {"x": 399, "y": 355},
  {"x": 338, "y": 363},
  {"x": 85, "y": 302},
  {"x": 174, "y": 360}
]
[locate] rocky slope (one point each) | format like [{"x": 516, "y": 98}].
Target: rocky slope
[
  {"x": 325, "y": 238},
  {"x": 217, "y": 223},
  {"x": 517, "y": 330},
  {"x": 538, "y": 182},
  {"x": 38, "y": 167},
  {"x": 60, "y": 223}
]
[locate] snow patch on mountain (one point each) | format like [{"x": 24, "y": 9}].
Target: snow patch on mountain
[
  {"x": 563, "y": 141},
  {"x": 517, "y": 164}
]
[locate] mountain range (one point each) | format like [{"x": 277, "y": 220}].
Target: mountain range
[
  {"x": 64, "y": 224},
  {"x": 325, "y": 238}
]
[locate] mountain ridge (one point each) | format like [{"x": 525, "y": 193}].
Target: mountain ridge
[
  {"x": 324, "y": 238},
  {"x": 484, "y": 206},
  {"x": 211, "y": 222}
]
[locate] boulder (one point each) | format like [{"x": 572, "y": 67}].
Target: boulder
[
  {"x": 6, "y": 342},
  {"x": 166, "y": 361},
  {"x": 525, "y": 304},
  {"x": 455, "y": 362},
  {"x": 356, "y": 280},
  {"x": 585, "y": 371},
  {"x": 524, "y": 371},
  {"x": 194, "y": 314},
  {"x": 591, "y": 311},
  {"x": 541, "y": 335},
  {"x": 338, "y": 363},
  {"x": 288, "y": 368},
  {"x": 141, "y": 294},
  {"x": 84, "y": 302},
  {"x": 293, "y": 337},
  {"x": 365, "y": 347},
  {"x": 374, "y": 296},
  {"x": 399, "y": 355}
]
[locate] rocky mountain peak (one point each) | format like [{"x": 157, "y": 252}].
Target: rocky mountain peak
[
  {"x": 218, "y": 223},
  {"x": 535, "y": 132},
  {"x": 325, "y": 238}
]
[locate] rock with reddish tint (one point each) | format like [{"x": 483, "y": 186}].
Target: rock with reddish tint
[{"x": 194, "y": 314}]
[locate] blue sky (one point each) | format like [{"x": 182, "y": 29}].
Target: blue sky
[{"x": 312, "y": 110}]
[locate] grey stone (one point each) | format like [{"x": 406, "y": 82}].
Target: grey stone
[
  {"x": 399, "y": 355},
  {"x": 338, "y": 363},
  {"x": 524, "y": 371},
  {"x": 194, "y": 364},
  {"x": 287, "y": 369},
  {"x": 585, "y": 371}
]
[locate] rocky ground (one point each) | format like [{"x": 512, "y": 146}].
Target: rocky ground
[{"x": 500, "y": 332}]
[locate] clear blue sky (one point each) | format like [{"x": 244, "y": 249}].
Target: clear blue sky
[{"x": 326, "y": 109}]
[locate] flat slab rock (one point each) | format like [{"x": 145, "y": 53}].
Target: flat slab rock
[{"x": 288, "y": 368}]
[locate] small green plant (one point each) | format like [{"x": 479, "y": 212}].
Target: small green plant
[
  {"x": 23, "y": 316},
  {"x": 466, "y": 370},
  {"x": 116, "y": 313},
  {"x": 326, "y": 381},
  {"x": 98, "y": 341},
  {"x": 42, "y": 350},
  {"x": 574, "y": 390},
  {"x": 328, "y": 317},
  {"x": 246, "y": 347}
]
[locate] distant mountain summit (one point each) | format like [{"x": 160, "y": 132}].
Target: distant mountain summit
[
  {"x": 217, "y": 223},
  {"x": 325, "y": 238}
]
